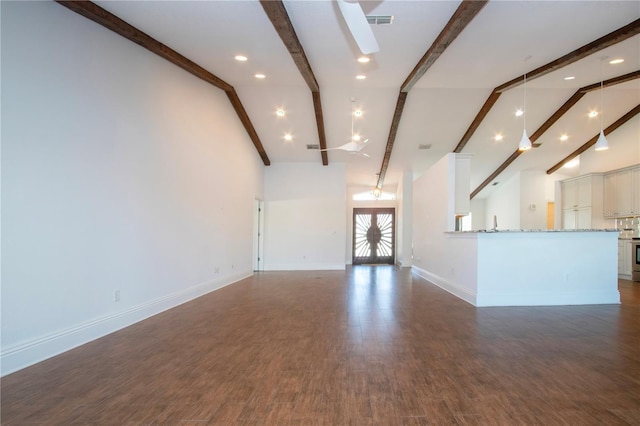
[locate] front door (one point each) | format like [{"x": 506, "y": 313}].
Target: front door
[{"x": 373, "y": 236}]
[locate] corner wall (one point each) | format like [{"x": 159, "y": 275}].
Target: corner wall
[
  {"x": 450, "y": 263},
  {"x": 120, "y": 172},
  {"x": 304, "y": 213}
]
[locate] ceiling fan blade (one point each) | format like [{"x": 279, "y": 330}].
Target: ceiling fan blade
[{"x": 360, "y": 29}]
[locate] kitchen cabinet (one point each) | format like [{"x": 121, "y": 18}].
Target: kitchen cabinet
[
  {"x": 582, "y": 202},
  {"x": 579, "y": 218},
  {"x": 635, "y": 191},
  {"x": 622, "y": 193},
  {"x": 624, "y": 259}
]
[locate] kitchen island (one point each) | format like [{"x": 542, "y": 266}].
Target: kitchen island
[{"x": 529, "y": 267}]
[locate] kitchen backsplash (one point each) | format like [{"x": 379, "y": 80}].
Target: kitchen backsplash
[{"x": 629, "y": 227}]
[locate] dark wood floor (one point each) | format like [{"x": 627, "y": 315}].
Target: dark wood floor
[{"x": 372, "y": 345}]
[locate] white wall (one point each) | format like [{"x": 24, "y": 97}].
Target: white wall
[
  {"x": 121, "y": 172},
  {"x": 504, "y": 203},
  {"x": 478, "y": 213},
  {"x": 305, "y": 221},
  {"x": 405, "y": 220},
  {"x": 449, "y": 263},
  {"x": 533, "y": 201},
  {"x": 521, "y": 201}
]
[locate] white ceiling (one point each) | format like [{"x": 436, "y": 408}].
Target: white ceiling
[{"x": 490, "y": 51}]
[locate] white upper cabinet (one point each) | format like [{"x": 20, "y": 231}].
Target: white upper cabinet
[
  {"x": 582, "y": 202},
  {"x": 622, "y": 193}
]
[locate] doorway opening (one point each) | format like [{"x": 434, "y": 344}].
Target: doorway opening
[
  {"x": 373, "y": 236},
  {"x": 258, "y": 231}
]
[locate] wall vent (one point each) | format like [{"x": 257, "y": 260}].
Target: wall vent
[
  {"x": 424, "y": 146},
  {"x": 311, "y": 146},
  {"x": 380, "y": 19}
]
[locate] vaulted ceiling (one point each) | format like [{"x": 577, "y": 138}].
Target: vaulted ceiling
[{"x": 448, "y": 75}]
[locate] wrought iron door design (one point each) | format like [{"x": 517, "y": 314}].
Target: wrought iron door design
[{"x": 373, "y": 236}]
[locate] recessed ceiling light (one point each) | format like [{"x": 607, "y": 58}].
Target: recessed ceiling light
[
  {"x": 280, "y": 113},
  {"x": 564, "y": 137},
  {"x": 357, "y": 113},
  {"x": 240, "y": 58},
  {"x": 288, "y": 137},
  {"x": 616, "y": 61},
  {"x": 498, "y": 137},
  {"x": 260, "y": 76},
  {"x": 571, "y": 77},
  {"x": 593, "y": 114},
  {"x": 361, "y": 77},
  {"x": 363, "y": 59},
  {"x": 519, "y": 112}
]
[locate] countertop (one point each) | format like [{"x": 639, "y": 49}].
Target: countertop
[{"x": 490, "y": 231}]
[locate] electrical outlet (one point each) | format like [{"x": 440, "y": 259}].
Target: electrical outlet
[{"x": 116, "y": 295}]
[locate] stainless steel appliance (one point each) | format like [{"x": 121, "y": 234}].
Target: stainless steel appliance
[{"x": 635, "y": 259}]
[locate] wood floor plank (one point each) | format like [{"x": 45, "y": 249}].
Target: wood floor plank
[{"x": 369, "y": 346}]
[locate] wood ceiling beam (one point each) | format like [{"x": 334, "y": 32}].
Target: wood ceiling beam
[
  {"x": 554, "y": 117},
  {"x": 317, "y": 106},
  {"x": 551, "y": 120},
  {"x": 110, "y": 21},
  {"x": 628, "y": 116},
  {"x": 397, "y": 115},
  {"x": 279, "y": 18},
  {"x": 610, "y": 39},
  {"x": 603, "y": 42},
  {"x": 246, "y": 122},
  {"x": 488, "y": 104},
  {"x": 465, "y": 13},
  {"x": 611, "y": 82}
]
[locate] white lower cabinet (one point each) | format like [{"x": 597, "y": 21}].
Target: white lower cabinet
[
  {"x": 579, "y": 218},
  {"x": 624, "y": 258}
]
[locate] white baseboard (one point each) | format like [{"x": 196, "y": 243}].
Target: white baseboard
[
  {"x": 305, "y": 267},
  {"x": 446, "y": 285},
  {"x": 556, "y": 298},
  {"x": 24, "y": 354},
  {"x": 404, "y": 263}
]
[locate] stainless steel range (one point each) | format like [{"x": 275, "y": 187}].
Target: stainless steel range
[{"x": 635, "y": 259}]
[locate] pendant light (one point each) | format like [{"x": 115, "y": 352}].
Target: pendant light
[
  {"x": 525, "y": 142},
  {"x": 601, "y": 143}
]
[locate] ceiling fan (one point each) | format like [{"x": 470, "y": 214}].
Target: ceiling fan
[
  {"x": 355, "y": 145},
  {"x": 358, "y": 25}
]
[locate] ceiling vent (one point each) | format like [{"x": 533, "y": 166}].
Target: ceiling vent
[
  {"x": 316, "y": 146},
  {"x": 380, "y": 19},
  {"x": 424, "y": 146}
]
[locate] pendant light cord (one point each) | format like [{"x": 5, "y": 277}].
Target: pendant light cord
[
  {"x": 601, "y": 102},
  {"x": 352, "y": 114},
  {"x": 524, "y": 104}
]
